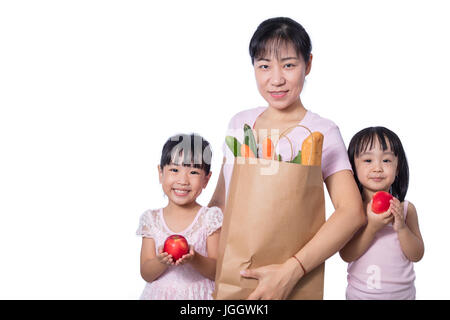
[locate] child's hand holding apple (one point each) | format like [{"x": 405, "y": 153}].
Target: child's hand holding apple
[
  {"x": 383, "y": 209},
  {"x": 175, "y": 251},
  {"x": 397, "y": 211},
  {"x": 164, "y": 257},
  {"x": 187, "y": 257},
  {"x": 376, "y": 221}
]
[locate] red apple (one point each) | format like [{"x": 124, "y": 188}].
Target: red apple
[
  {"x": 380, "y": 201},
  {"x": 177, "y": 246}
]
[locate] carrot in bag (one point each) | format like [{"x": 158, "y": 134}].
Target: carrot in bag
[
  {"x": 267, "y": 149},
  {"x": 246, "y": 151}
]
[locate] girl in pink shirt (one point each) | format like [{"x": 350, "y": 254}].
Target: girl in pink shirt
[
  {"x": 381, "y": 254},
  {"x": 184, "y": 171}
]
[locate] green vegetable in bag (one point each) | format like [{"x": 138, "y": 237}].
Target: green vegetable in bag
[
  {"x": 298, "y": 158},
  {"x": 249, "y": 139},
  {"x": 234, "y": 145}
]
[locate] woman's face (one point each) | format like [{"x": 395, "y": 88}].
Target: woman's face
[{"x": 280, "y": 77}]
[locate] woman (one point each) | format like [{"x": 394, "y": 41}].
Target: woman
[{"x": 281, "y": 55}]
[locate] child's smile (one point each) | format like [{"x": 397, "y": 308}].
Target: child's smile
[{"x": 181, "y": 192}]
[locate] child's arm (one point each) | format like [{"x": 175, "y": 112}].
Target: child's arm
[
  {"x": 362, "y": 240},
  {"x": 409, "y": 235},
  {"x": 205, "y": 265},
  {"x": 152, "y": 265}
]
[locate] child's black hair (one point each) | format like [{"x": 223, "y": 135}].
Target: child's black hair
[
  {"x": 196, "y": 151},
  {"x": 278, "y": 31},
  {"x": 364, "y": 140}
]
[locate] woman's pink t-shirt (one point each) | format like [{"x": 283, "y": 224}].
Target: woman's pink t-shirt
[{"x": 334, "y": 152}]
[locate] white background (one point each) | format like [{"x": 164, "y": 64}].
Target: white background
[{"x": 90, "y": 91}]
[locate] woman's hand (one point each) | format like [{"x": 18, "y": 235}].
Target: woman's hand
[
  {"x": 396, "y": 210},
  {"x": 164, "y": 257},
  {"x": 187, "y": 257},
  {"x": 275, "y": 281},
  {"x": 376, "y": 221}
]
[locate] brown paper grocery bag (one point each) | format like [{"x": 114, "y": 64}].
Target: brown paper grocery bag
[{"x": 268, "y": 218}]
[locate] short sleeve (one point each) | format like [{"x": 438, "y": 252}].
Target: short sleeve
[
  {"x": 228, "y": 154},
  {"x": 231, "y": 131},
  {"x": 145, "y": 226},
  {"x": 334, "y": 157},
  {"x": 405, "y": 209},
  {"x": 213, "y": 220}
]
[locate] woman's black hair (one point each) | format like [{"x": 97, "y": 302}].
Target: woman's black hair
[
  {"x": 277, "y": 31},
  {"x": 195, "y": 150},
  {"x": 364, "y": 140}
]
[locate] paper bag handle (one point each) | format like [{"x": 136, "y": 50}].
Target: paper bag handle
[{"x": 283, "y": 134}]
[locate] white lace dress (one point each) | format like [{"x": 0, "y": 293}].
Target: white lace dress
[{"x": 180, "y": 282}]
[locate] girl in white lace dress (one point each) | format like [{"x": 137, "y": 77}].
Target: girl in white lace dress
[{"x": 184, "y": 172}]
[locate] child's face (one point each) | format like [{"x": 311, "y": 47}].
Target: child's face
[
  {"x": 182, "y": 184},
  {"x": 280, "y": 78},
  {"x": 376, "y": 169}
]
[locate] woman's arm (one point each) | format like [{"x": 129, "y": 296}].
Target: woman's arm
[
  {"x": 409, "y": 236},
  {"x": 218, "y": 198},
  {"x": 347, "y": 219},
  {"x": 152, "y": 266},
  {"x": 276, "y": 281}
]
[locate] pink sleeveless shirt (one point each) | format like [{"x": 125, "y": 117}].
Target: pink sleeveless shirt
[{"x": 382, "y": 272}]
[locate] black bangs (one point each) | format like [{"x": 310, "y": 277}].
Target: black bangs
[
  {"x": 189, "y": 150},
  {"x": 180, "y": 155},
  {"x": 273, "y": 46},
  {"x": 366, "y": 142}
]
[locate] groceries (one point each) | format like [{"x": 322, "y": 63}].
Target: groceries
[{"x": 309, "y": 154}]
